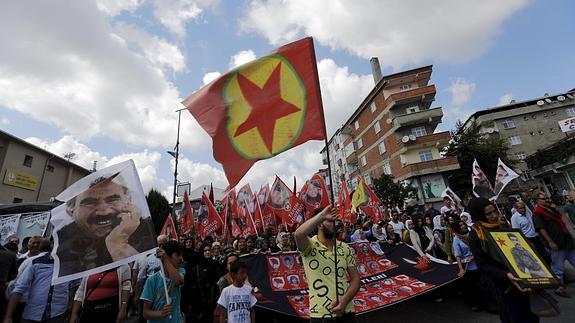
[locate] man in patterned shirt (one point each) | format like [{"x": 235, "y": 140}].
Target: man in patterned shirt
[{"x": 319, "y": 259}]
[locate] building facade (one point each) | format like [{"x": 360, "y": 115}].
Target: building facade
[
  {"x": 393, "y": 132},
  {"x": 528, "y": 127},
  {"x": 31, "y": 174}
]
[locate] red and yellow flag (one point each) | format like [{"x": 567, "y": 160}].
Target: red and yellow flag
[
  {"x": 262, "y": 108},
  {"x": 186, "y": 216},
  {"x": 344, "y": 204},
  {"x": 209, "y": 220}
]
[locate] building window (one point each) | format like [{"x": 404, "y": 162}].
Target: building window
[
  {"x": 356, "y": 124},
  {"x": 373, "y": 107},
  {"x": 363, "y": 161},
  {"x": 570, "y": 112},
  {"x": 377, "y": 127},
  {"x": 419, "y": 131},
  {"x": 508, "y": 124},
  {"x": 28, "y": 161},
  {"x": 425, "y": 155},
  {"x": 50, "y": 168},
  {"x": 17, "y": 200},
  {"x": 381, "y": 147},
  {"x": 412, "y": 109},
  {"x": 515, "y": 140},
  {"x": 520, "y": 155},
  {"x": 405, "y": 87},
  {"x": 386, "y": 169},
  {"x": 358, "y": 144}
]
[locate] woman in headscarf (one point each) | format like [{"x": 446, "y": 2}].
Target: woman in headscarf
[
  {"x": 391, "y": 238},
  {"x": 439, "y": 235},
  {"x": 377, "y": 233},
  {"x": 467, "y": 266},
  {"x": 513, "y": 300},
  {"x": 413, "y": 238}
]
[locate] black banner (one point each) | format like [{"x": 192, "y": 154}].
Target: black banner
[{"x": 388, "y": 274}]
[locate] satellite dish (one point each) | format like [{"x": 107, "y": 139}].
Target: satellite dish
[
  {"x": 412, "y": 137},
  {"x": 540, "y": 103},
  {"x": 569, "y": 96},
  {"x": 405, "y": 139},
  {"x": 561, "y": 98},
  {"x": 548, "y": 100},
  {"x": 389, "y": 121}
]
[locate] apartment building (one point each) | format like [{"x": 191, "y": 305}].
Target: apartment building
[
  {"x": 31, "y": 174},
  {"x": 393, "y": 132},
  {"x": 530, "y": 126}
]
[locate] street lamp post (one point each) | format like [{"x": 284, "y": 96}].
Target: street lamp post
[{"x": 176, "y": 154}]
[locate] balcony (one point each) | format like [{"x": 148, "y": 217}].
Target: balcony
[
  {"x": 425, "y": 94},
  {"x": 352, "y": 159},
  {"x": 430, "y": 116},
  {"x": 440, "y": 139},
  {"x": 428, "y": 167}
]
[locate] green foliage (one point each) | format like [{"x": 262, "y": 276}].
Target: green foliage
[
  {"x": 469, "y": 144},
  {"x": 159, "y": 209},
  {"x": 391, "y": 193}
]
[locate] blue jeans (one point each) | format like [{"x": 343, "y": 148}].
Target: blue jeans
[{"x": 558, "y": 260}]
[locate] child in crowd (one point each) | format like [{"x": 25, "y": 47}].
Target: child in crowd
[
  {"x": 156, "y": 308},
  {"x": 237, "y": 300}
]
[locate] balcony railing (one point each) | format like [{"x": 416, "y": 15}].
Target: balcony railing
[
  {"x": 423, "y": 116},
  {"x": 441, "y": 137},
  {"x": 412, "y": 95}
]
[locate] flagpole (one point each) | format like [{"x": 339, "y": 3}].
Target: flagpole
[{"x": 335, "y": 233}]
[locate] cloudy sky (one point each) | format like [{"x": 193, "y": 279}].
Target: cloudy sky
[{"x": 102, "y": 79}]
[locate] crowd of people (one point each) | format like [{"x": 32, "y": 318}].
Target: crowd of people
[{"x": 206, "y": 280}]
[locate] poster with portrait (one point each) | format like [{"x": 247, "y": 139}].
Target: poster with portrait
[
  {"x": 103, "y": 223},
  {"x": 503, "y": 176},
  {"x": 33, "y": 224},
  {"x": 433, "y": 185},
  {"x": 481, "y": 185},
  {"x": 448, "y": 192},
  {"x": 523, "y": 261},
  {"x": 314, "y": 193},
  {"x": 9, "y": 227}
]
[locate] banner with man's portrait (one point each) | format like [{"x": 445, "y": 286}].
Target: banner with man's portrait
[
  {"x": 503, "y": 176},
  {"x": 9, "y": 227},
  {"x": 103, "y": 223},
  {"x": 523, "y": 261},
  {"x": 481, "y": 185}
]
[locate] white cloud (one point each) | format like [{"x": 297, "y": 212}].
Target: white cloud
[
  {"x": 399, "y": 32},
  {"x": 147, "y": 162},
  {"x": 505, "y": 99},
  {"x": 341, "y": 92},
  {"x": 241, "y": 58},
  {"x": 208, "y": 77},
  {"x": 115, "y": 7},
  {"x": 157, "y": 51},
  {"x": 175, "y": 14},
  {"x": 63, "y": 64},
  {"x": 4, "y": 121},
  {"x": 461, "y": 91}
]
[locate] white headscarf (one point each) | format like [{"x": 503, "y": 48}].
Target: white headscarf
[{"x": 378, "y": 236}]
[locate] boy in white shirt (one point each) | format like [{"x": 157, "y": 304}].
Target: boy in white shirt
[{"x": 237, "y": 300}]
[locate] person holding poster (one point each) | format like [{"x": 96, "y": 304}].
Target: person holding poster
[
  {"x": 327, "y": 301},
  {"x": 105, "y": 220},
  {"x": 513, "y": 300}
]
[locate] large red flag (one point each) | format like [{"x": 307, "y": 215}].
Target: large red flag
[
  {"x": 262, "y": 108},
  {"x": 345, "y": 204},
  {"x": 371, "y": 208},
  {"x": 208, "y": 221},
  {"x": 186, "y": 216},
  {"x": 285, "y": 204},
  {"x": 249, "y": 228},
  {"x": 169, "y": 228},
  {"x": 314, "y": 194}
]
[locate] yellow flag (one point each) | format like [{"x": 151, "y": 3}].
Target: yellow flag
[{"x": 359, "y": 196}]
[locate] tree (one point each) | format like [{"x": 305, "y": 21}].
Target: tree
[
  {"x": 159, "y": 209},
  {"x": 392, "y": 193},
  {"x": 470, "y": 144}
]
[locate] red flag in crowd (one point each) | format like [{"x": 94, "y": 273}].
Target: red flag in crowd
[
  {"x": 186, "y": 216},
  {"x": 249, "y": 228},
  {"x": 344, "y": 203},
  {"x": 211, "y": 196},
  {"x": 280, "y": 201},
  {"x": 268, "y": 216},
  {"x": 314, "y": 194},
  {"x": 262, "y": 108},
  {"x": 372, "y": 208},
  {"x": 208, "y": 220},
  {"x": 169, "y": 228}
]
